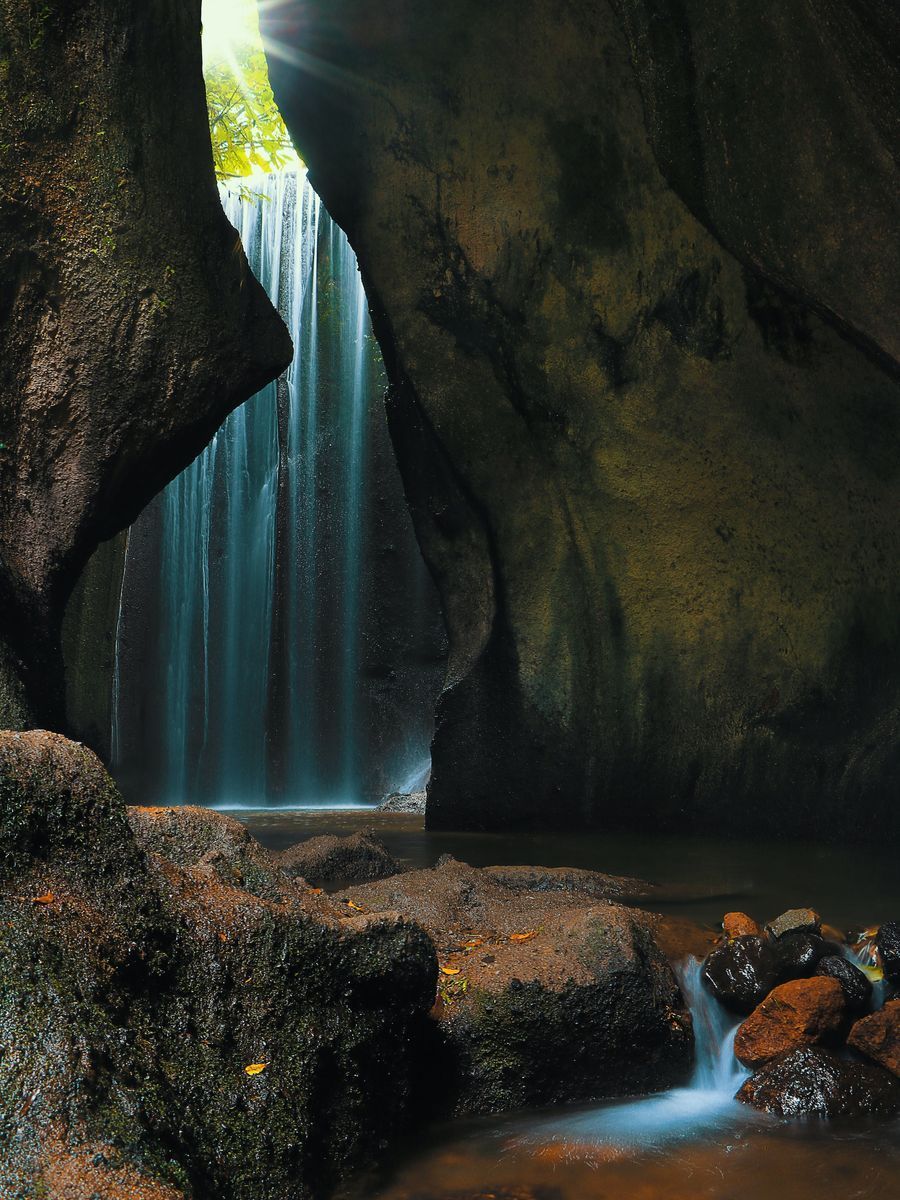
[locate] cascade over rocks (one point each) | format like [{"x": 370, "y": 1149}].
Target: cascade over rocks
[
  {"x": 621, "y": 437},
  {"x": 130, "y": 324}
]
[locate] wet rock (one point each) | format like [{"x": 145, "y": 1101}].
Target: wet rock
[
  {"x": 140, "y": 980},
  {"x": 813, "y": 1081},
  {"x": 546, "y": 994},
  {"x": 878, "y": 1036},
  {"x": 856, "y": 986},
  {"x": 798, "y": 954},
  {"x": 403, "y": 802},
  {"x": 358, "y": 858},
  {"x": 887, "y": 941},
  {"x": 795, "y": 920},
  {"x": 802, "y": 1012},
  {"x": 592, "y": 884},
  {"x": 738, "y": 924},
  {"x": 741, "y": 973}
]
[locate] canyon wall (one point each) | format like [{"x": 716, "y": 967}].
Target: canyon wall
[{"x": 642, "y": 391}]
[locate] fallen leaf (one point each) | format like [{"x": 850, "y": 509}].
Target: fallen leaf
[
  {"x": 355, "y": 907},
  {"x": 223, "y": 937},
  {"x": 450, "y": 970},
  {"x": 523, "y": 937},
  {"x": 475, "y": 942},
  {"x": 47, "y": 898},
  {"x": 318, "y": 892},
  {"x": 255, "y": 1068}
]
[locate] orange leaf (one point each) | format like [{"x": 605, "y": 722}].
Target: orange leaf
[
  {"x": 523, "y": 937},
  {"x": 47, "y": 898},
  {"x": 223, "y": 937},
  {"x": 255, "y": 1068},
  {"x": 475, "y": 942},
  {"x": 318, "y": 892},
  {"x": 450, "y": 970},
  {"x": 355, "y": 907}
]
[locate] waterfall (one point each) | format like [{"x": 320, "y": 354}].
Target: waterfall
[
  {"x": 259, "y": 550},
  {"x": 706, "y": 1103}
]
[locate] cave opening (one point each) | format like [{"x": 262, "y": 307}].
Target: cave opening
[{"x": 276, "y": 637}]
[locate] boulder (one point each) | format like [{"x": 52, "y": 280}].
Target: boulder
[
  {"x": 795, "y": 920},
  {"x": 546, "y": 994},
  {"x": 802, "y": 1012},
  {"x": 403, "y": 802},
  {"x": 877, "y": 1036},
  {"x": 741, "y": 973},
  {"x": 812, "y": 1081},
  {"x": 328, "y": 859},
  {"x": 738, "y": 924},
  {"x": 173, "y": 1027},
  {"x": 798, "y": 954},
  {"x": 887, "y": 941},
  {"x": 856, "y": 986}
]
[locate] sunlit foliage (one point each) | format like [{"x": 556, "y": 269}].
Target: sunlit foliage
[{"x": 248, "y": 134}]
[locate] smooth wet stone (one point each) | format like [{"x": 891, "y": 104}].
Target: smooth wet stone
[
  {"x": 878, "y": 1037},
  {"x": 738, "y": 924},
  {"x": 887, "y": 940},
  {"x": 813, "y": 1081},
  {"x": 802, "y": 1012},
  {"x": 798, "y": 954},
  {"x": 856, "y": 986},
  {"x": 795, "y": 920},
  {"x": 741, "y": 973}
]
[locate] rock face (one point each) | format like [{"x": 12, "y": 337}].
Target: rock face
[
  {"x": 795, "y": 920},
  {"x": 741, "y": 973},
  {"x": 622, "y": 438},
  {"x": 737, "y": 924},
  {"x": 356, "y": 858},
  {"x": 878, "y": 1036},
  {"x": 180, "y": 1019},
  {"x": 816, "y": 1082},
  {"x": 799, "y": 1013},
  {"x": 856, "y": 987},
  {"x": 130, "y": 324},
  {"x": 545, "y": 995}
]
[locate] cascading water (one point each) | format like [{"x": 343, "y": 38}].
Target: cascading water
[
  {"x": 252, "y": 566},
  {"x": 707, "y": 1102}
]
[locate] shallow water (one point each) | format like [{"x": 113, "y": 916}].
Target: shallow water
[
  {"x": 692, "y": 1143},
  {"x": 852, "y": 886}
]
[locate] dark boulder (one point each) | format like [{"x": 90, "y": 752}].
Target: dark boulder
[
  {"x": 815, "y": 1082},
  {"x": 741, "y": 973},
  {"x": 798, "y": 954},
  {"x": 887, "y": 941},
  {"x": 328, "y": 859},
  {"x": 856, "y": 986},
  {"x": 177, "y": 1034}
]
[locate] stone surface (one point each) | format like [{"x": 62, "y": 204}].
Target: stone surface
[
  {"x": 855, "y": 984},
  {"x": 795, "y": 920},
  {"x": 887, "y": 941},
  {"x": 877, "y": 1036},
  {"x": 328, "y": 859},
  {"x": 404, "y": 802},
  {"x": 545, "y": 995},
  {"x": 798, "y": 954},
  {"x": 801, "y": 1012},
  {"x": 816, "y": 1082},
  {"x": 738, "y": 924},
  {"x": 130, "y": 324},
  {"x": 620, "y": 441},
  {"x": 741, "y": 973},
  {"x": 144, "y": 969}
]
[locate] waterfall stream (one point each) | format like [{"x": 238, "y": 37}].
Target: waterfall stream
[{"x": 254, "y": 572}]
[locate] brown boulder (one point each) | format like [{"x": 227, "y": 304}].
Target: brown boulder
[
  {"x": 878, "y": 1036},
  {"x": 802, "y": 1012},
  {"x": 738, "y": 924},
  {"x": 547, "y": 992},
  {"x": 358, "y": 858}
]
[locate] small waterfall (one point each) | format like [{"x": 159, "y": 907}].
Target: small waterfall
[
  {"x": 261, "y": 549},
  {"x": 705, "y": 1104}
]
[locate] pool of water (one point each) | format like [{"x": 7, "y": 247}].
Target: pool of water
[
  {"x": 692, "y": 1143},
  {"x": 851, "y": 886}
]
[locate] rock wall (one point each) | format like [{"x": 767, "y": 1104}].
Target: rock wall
[
  {"x": 654, "y": 477},
  {"x": 129, "y": 322}
]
